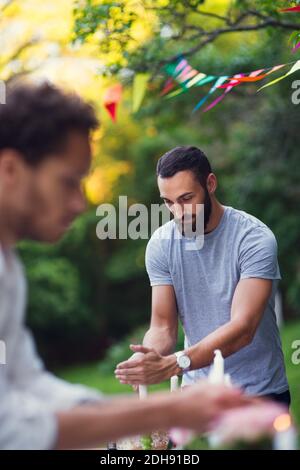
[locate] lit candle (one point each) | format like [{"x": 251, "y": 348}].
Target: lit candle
[{"x": 285, "y": 437}]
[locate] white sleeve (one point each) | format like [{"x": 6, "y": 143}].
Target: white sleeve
[
  {"x": 30, "y": 376},
  {"x": 25, "y": 424}
]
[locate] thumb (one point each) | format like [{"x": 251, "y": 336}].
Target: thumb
[{"x": 140, "y": 348}]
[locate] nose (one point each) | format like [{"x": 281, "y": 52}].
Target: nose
[
  {"x": 79, "y": 203},
  {"x": 177, "y": 210}
]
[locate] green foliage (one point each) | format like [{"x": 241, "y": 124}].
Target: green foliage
[
  {"x": 176, "y": 27},
  {"x": 56, "y": 284},
  {"x": 120, "y": 351}
]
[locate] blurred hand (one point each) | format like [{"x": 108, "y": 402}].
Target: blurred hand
[
  {"x": 200, "y": 406},
  {"x": 146, "y": 367},
  {"x": 136, "y": 355}
]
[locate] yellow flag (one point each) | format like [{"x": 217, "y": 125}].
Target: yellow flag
[
  {"x": 139, "y": 89},
  {"x": 295, "y": 67}
]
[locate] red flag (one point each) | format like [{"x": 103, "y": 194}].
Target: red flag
[
  {"x": 292, "y": 9},
  {"x": 111, "y": 100}
]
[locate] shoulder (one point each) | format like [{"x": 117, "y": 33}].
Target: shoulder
[
  {"x": 251, "y": 229},
  {"x": 162, "y": 235}
]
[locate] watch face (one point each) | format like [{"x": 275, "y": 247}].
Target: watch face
[{"x": 184, "y": 362}]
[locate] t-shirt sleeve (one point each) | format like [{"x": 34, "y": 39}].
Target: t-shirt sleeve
[
  {"x": 258, "y": 255},
  {"x": 157, "y": 264}
]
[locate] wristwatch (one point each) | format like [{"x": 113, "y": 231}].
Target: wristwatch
[{"x": 183, "y": 361}]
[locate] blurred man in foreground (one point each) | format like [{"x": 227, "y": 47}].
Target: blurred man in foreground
[{"x": 44, "y": 154}]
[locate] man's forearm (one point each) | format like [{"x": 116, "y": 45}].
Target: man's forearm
[
  {"x": 163, "y": 340},
  {"x": 89, "y": 426},
  {"x": 229, "y": 338}
]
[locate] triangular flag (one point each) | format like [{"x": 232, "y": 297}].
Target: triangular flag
[
  {"x": 139, "y": 89},
  {"x": 112, "y": 110},
  {"x": 182, "y": 63},
  {"x": 195, "y": 80},
  {"x": 215, "y": 102},
  {"x": 256, "y": 75},
  {"x": 175, "y": 68},
  {"x": 111, "y": 99},
  {"x": 184, "y": 72},
  {"x": 291, "y": 9},
  {"x": 189, "y": 75},
  {"x": 177, "y": 92},
  {"x": 218, "y": 82},
  {"x": 220, "y": 98},
  {"x": 296, "y": 47},
  {"x": 295, "y": 67},
  {"x": 252, "y": 77},
  {"x": 168, "y": 86},
  {"x": 207, "y": 79}
]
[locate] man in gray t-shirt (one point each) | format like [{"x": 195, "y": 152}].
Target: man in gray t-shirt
[{"x": 223, "y": 289}]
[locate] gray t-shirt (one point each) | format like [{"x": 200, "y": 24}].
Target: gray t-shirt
[{"x": 204, "y": 282}]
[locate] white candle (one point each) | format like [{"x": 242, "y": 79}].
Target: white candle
[
  {"x": 174, "y": 383},
  {"x": 216, "y": 373},
  {"x": 285, "y": 440},
  {"x": 143, "y": 392},
  {"x": 227, "y": 380}
]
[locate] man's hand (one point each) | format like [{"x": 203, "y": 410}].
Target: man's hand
[
  {"x": 149, "y": 368},
  {"x": 200, "y": 406}
]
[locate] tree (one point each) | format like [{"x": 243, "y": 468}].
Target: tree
[{"x": 147, "y": 35}]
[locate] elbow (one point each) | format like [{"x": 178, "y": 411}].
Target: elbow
[
  {"x": 248, "y": 335},
  {"x": 247, "y": 339}
]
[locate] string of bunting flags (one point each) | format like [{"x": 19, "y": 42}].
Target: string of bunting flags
[
  {"x": 182, "y": 77},
  {"x": 182, "y": 74}
]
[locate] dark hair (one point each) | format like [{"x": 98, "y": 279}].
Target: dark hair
[
  {"x": 36, "y": 120},
  {"x": 184, "y": 158}
]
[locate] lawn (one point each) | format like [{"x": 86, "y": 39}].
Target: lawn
[{"x": 93, "y": 377}]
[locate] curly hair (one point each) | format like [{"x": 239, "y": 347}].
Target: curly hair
[{"x": 36, "y": 120}]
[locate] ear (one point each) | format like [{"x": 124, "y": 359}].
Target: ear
[
  {"x": 212, "y": 183},
  {"x": 11, "y": 164}
]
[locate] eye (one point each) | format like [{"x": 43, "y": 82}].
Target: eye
[
  {"x": 71, "y": 183},
  {"x": 187, "y": 198},
  {"x": 167, "y": 202}
]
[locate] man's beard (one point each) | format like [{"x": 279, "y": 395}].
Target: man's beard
[
  {"x": 198, "y": 223},
  {"x": 207, "y": 208}
]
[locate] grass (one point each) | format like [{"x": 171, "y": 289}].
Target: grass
[{"x": 92, "y": 376}]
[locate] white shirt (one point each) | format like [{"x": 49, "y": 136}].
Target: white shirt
[{"x": 29, "y": 395}]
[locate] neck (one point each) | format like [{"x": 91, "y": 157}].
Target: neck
[{"x": 217, "y": 211}]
